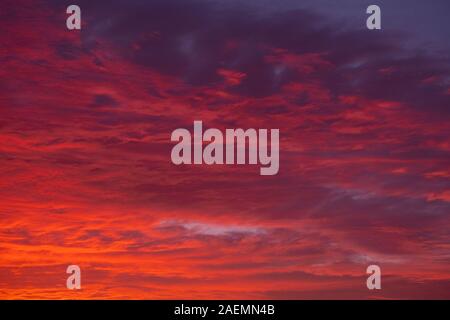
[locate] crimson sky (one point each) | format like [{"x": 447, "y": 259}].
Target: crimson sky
[{"x": 86, "y": 176}]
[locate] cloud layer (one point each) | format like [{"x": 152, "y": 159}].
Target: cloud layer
[{"x": 86, "y": 176}]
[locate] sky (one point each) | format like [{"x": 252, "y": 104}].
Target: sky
[{"x": 86, "y": 176}]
